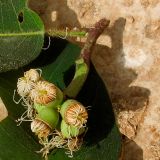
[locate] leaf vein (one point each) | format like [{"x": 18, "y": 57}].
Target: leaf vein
[{"x": 21, "y": 34}]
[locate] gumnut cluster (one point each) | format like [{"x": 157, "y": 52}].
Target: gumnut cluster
[{"x": 58, "y": 122}]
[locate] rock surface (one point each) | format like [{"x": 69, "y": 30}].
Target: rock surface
[
  {"x": 3, "y": 110},
  {"x": 127, "y": 57}
]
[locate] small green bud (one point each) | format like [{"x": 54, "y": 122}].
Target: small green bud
[{"x": 69, "y": 131}]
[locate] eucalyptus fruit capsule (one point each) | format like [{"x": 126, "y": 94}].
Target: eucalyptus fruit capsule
[
  {"x": 74, "y": 113},
  {"x": 45, "y": 93},
  {"x": 47, "y": 118},
  {"x": 69, "y": 131}
]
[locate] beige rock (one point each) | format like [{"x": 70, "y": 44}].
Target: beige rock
[
  {"x": 3, "y": 110},
  {"x": 127, "y": 57}
]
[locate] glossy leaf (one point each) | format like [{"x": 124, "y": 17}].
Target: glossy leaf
[
  {"x": 102, "y": 141},
  {"x": 21, "y": 34}
]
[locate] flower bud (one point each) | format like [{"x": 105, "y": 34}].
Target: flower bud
[{"x": 74, "y": 113}]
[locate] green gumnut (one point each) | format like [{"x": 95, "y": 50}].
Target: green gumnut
[
  {"x": 49, "y": 116},
  {"x": 55, "y": 104},
  {"x": 66, "y": 105},
  {"x": 69, "y": 131}
]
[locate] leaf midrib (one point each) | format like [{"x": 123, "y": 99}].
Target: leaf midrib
[{"x": 21, "y": 34}]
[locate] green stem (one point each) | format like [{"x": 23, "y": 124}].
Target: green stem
[
  {"x": 66, "y": 33},
  {"x": 83, "y": 62}
]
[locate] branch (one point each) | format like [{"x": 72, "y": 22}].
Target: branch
[
  {"x": 83, "y": 62},
  {"x": 92, "y": 37}
]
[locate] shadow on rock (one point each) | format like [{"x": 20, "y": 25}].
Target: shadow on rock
[{"x": 117, "y": 77}]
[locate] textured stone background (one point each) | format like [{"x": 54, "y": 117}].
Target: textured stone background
[
  {"x": 3, "y": 110},
  {"x": 127, "y": 57}
]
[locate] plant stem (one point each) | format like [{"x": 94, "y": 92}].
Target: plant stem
[
  {"x": 92, "y": 37},
  {"x": 83, "y": 62},
  {"x": 66, "y": 33}
]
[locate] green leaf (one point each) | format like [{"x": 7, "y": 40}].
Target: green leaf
[
  {"x": 15, "y": 143},
  {"x": 102, "y": 141},
  {"x": 21, "y": 34}
]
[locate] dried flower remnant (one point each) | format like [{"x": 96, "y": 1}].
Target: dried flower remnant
[
  {"x": 74, "y": 145},
  {"x": 57, "y": 140},
  {"x": 45, "y": 93},
  {"x": 26, "y": 84},
  {"x": 33, "y": 75},
  {"x": 74, "y": 113}
]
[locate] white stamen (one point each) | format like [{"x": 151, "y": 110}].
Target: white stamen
[
  {"x": 17, "y": 102},
  {"x": 49, "y": 43}
]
